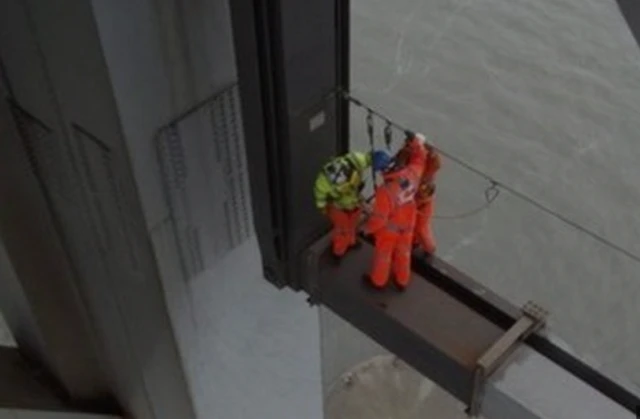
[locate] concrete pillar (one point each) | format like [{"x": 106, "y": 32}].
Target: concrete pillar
[
  {"x": 56, "y": 72},
  {"x": 103, "y": 77},
  {"x": 37, "y": 292}
]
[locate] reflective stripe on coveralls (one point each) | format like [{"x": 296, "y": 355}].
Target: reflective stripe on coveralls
[
  {"x": 345, "y": 224},
  {"x": 342, "y": 202},
  {"x": 393, "y": 220},
  {"x": 393, "y": 241}
]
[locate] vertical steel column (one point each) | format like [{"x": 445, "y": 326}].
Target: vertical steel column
[{"x": 292, "y": 59}]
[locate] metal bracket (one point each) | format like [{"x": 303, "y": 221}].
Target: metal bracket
[{"x": 533, "y": 319}]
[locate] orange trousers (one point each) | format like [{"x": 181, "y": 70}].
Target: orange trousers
[
  {"x": 393, "y": 249},
  {"x": 345, "y": 225},
  {"x": 423, "y": 233}
]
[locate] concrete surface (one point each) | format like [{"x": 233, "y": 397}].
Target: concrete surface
[
  {"x": 362, "y": 379},
  {"x": 56, "y": 69},
  {"x": 542, "y": 95},
  {"x": 384, "y": 387},
  {"x": 533, "y": 387},
  {"x": 247, "y": 349}
]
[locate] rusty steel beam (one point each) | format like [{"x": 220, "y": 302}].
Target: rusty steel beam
[
  {"x": 504, "y": 314},
  {"x": 426, "y": 327},
  {"x": 445, "y": 322}
]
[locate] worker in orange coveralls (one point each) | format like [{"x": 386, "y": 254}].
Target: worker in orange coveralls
[
  {"x": 392, "y": 220},
  {"x": 425, "y": 197},
  {"x": 337, "y": 193},
  {"x": 423, "y": 237}
]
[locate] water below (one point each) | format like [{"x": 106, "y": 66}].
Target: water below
[{"x": 544, "y": 96}]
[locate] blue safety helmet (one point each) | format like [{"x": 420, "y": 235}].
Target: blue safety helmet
[{"x": 380, "y": 160}]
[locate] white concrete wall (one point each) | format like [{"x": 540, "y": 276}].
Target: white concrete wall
[
  {"x": 56, "y": 69},
  {"x": 248, "y": 349}
]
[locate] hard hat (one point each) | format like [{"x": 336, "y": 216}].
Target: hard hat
[
  {"x": 421, "y": 138},
  {"x": 380, "y": 160}
]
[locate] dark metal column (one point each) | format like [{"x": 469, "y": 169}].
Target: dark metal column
[{"x": 292, "y": 57}]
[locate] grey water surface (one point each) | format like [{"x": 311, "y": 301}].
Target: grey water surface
[{"x": 544, "y": 96}]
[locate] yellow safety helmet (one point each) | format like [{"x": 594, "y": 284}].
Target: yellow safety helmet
[
  {"x": 342, "y": 174},
  {"x": 349, "y": 183}
]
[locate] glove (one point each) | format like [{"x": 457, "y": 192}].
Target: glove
[
  {"x": 422, "y": 140},
  {"x": 402, "y": 155},
  {"x": 427, "y": 189}
]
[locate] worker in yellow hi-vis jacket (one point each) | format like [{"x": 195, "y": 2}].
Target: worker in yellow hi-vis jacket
[{"x": 337, "y": 192}]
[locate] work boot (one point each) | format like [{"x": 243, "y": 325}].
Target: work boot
[
  {"x": 400, "y": 287},
  {"x": 422, "y": 254},
  {"x": 366, "y": 279}
]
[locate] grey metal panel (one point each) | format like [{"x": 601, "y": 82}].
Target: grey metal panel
[
  {"x": 254, "y": 62},
  {"x": 310, "y": 147},
  {"x": 287, "y": 58},
  {"x": 309, "y": 46},
  {"x": 310, "y": 69},
  {"x": 204, "y": 177}
]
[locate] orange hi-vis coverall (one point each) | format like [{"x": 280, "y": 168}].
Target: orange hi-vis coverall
[
  {"x": 393, "y": 218},
  {"x": 425, "y": 201},
  {"x": 337, "y": 193}
]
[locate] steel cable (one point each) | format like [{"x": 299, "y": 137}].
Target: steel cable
[{"x": 496, "y": 185}]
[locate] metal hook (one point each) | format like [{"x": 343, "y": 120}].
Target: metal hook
[{"x": 388, "y": 135}]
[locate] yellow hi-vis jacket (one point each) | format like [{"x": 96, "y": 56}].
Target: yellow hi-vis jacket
[{"x": 340, "y": 181}]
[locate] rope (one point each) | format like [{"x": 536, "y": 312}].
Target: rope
[
  {"x": 371, "y": 143},
  {"x": 388, "y": 135},
  {"x": 496, "y": 184},
  {"x": 490, "y": 195}
]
